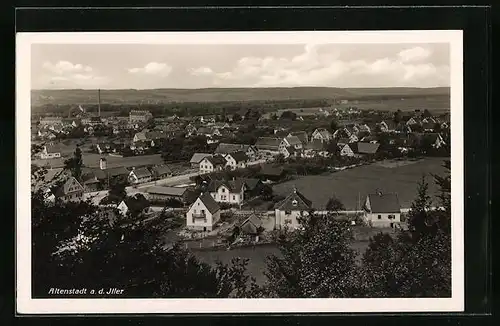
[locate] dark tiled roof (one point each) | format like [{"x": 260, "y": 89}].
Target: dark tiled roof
[
  {"x": 301, "y": 135},
  {"x": 316, "y": 145},
  {"x": 152, "y": 135},
  {"x": 136, "y": 203},
  {"x": 367, "y": 148},
  {"x": 53, "y": 149},
  {"x": 114, "y": 172},
  {"x": 142, "y": 172},
  {"x": 161, "y": 170},
  {"x": 293, "y": 140},
  {"x": 216, "y": 160},
  {"x": 268, "y": 142},
  {"x": 209, "y": 202},
  {"x": 198, "y": 157},
  {"x": 233, "y": 185},
  {"x": 251, "y": 183},
  {"x": 64, "y": 188},
  {"x": 239, "y": 156},
  {"x": 251, "y": 224},
  {"x": 169, "y": 191},
  {"x": 295, "y": 201},
  {"x": 225, "y": 148},
  {"x": 384, "y": 203}
]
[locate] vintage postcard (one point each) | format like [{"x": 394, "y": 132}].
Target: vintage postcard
[{"x": 239, "y": 172}]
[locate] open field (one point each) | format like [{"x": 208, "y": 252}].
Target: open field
[
  {"x": 347, "y": 185},
  {"x": 257, "y": 257},
  {"x": 92, "y": 160},
  {"x": 158, "y": 96}
]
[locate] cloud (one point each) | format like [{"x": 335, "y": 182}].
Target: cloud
[
  {"x": 65, "y": 67},
  {"x": 65, "y": 74},
  {"x": 414, "y": 54},
  {"x": 316, "y": 67},
  {"x": 153, "y": 68},
  {"x": 201, "y": 71}
]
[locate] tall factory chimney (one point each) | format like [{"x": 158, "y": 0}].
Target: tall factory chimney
[{"x": 99, "y": 102}]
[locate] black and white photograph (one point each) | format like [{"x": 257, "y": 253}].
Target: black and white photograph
[{"x": 224, "y": 172}]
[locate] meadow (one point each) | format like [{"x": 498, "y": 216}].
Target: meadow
[{"x": 355, "y": 184}]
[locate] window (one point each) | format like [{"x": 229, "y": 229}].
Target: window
[
  {"x": 380, "y": 217},
  {"x": 294, "y": 202},
  {"x": 223, "y": 189},
  {"x": 234, "y": 197},
  {"x": 288, "y": 212},
  {"x": 391, "y": 217},
  {"x": 203, "y": 211}
]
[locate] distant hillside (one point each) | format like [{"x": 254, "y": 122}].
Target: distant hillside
[{"x": 158, "y": 96}]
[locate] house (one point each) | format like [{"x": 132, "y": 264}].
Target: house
[
  {"x": 226, "y": 148},
  {"x": 387, "y": 126},
  {"x": 236, "y": 160},
  {"x": 212, "y": 163},
  {"x": 208, "y": 132},
  {"x": 139, "y": 116},
  {"x": 350, "y": 150},
  {"x": 70, "y": 190},
  {"x": 197, "y": 158},
  {"x": 342, "y": 133},
  {"x": 413, "y": 121},
  {"x": 435, "y": 140},
  {"x": 368, "y": 148},
  {"x": 50, "y": 151},
  {"x": 268, "y": 172},
  {"x": 161, "y": 172},
  {"x": 140, "y": 175},
  {"x": 301, "y": 135},
  {"x": 289, "y": 210},
  {"x": 95, "y": 121},
  {"x": 140, "y": 137},
  {"x": 232, "y": 192},
  {"x": 134, "y": 205},
  {"x": 160, "y": 193},
  {"x": 190, "y": 130},
  {"x": 290, "y": 141},
  {"x": 315, "y": 147},
  {"x": 360, "y": 148},
  {"x": 268, "y": 144},
  {"x": 429, "y": 120},
  {"x": 106, "y": 148},
  {"x": 428, "y": 126},
  {"x": 203, "y": 214},
  {"x": 51, "y": 121},
  {"x": 251, "y": 225},
  {"x": 382, "y": 210},
  {"x": 289, "y": 151},
  {"x": 353, "y": 138},
  {"x": 253, "y": 187},
  {"x": 342, "y": 141},
  {"x": 90, "y": 182}
]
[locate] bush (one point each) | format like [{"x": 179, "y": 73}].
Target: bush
[{"x": 224, "y": 206}]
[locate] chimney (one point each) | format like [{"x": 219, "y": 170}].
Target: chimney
[{"x": 103, "y": 163}]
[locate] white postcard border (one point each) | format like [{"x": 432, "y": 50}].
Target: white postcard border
[{"x": 26, "y": 305}]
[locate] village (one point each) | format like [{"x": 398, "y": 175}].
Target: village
[{"x": 216, "y": 175}]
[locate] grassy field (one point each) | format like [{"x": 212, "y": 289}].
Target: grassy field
[
  {"x": 132, "y": 96},
  {"x": 257, "y": 257},
  {"x": 92, "y": 160},
  {"x": 348, "y": 184}
]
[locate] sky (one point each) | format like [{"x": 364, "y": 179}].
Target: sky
[{"x": 147, "y": 66}]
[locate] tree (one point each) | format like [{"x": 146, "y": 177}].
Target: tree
[
  {"x": 334, "y": 125},
  {"x": 280, "y": 158},
  {"x": 315, "y": 262},
  {"x": 236, "y": 117},
  {"x": 75, "y": 163},
  {"x": 77, "y": 245},
  {"x": 334, "y": 205},
  {"x": 288, "y": 115},
  {"x": 414, "y": 263},
  {"x": 117, "y": 189},
  {"x": 398, "y": 116}
]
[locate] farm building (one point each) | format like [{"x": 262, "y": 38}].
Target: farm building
[
  {"x": 160, "y": 193},
  {"x": 382, "y": 210},
  {"x": 140, "y": 175},
  {"x": 197, "y": 158}
]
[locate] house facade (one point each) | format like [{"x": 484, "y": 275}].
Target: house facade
[
  {"x": 231, "y": 192},
  {"x": 71, "y": 190},
  {"x": 322, "y": 135},
  {"x": 50, "y": 151},
  {"x": 197, "y": 158},
  {"x": 203, "y": 214},
  {"x": 212, "y": 163},
  {"x": 140, "y": 175},
  {"x": 236, "y": 160},
  {"x": 140, "y": 116},
  {"x": 382, "y": 210},
  {"x": 291, "y": 209}
]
